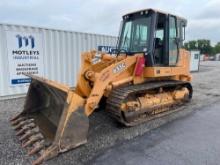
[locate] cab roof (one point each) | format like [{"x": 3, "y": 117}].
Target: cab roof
[{"x": 155, "y": 11}]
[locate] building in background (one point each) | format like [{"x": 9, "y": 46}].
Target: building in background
[
  {"x": 194, "y": 60},
  {"x": 202, "y": 57},
  {"x": 217, "y": 57},
  {"x": 51, "y": 53}
]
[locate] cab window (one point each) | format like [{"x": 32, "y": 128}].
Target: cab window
[{"x": 173, "y": 45}]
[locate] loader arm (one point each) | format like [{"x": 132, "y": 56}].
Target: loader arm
[{"x": 104, "y": 78}]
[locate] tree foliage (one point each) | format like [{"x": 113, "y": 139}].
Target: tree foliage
[
  {"x": 217, "y": 48},
  {"x": 203, "y": 45}
]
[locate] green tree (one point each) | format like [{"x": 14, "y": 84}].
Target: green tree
[
  {"x": 202, "y": 44},
  {"x": 205, "y": 46},
  {"x": 191, "y": 45},
  {"x": 216, "y": 48}
]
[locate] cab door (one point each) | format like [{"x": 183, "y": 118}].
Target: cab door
[{"x": 173, "y": 41}]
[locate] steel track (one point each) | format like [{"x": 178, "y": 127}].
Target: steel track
[{"x": 120, "y": 94}]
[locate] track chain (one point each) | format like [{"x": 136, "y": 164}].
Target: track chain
[{"x": 119, "y": 95}]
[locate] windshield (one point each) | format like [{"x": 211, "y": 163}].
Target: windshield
[{"x": 135, "y": 35}]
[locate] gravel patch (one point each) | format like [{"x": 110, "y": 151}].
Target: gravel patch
[{"x": 104, "y": 132}]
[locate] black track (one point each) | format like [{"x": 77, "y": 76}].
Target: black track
[{"x": 120, "y": 94}]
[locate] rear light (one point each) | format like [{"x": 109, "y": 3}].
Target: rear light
[{"x": 140, "y": 66}]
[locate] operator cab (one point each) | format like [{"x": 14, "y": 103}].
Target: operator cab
[{"x": 157, "y": 34}]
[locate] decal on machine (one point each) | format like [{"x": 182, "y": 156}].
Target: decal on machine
[
  {"x": 119, "y": 68},
  {"x": 105, "y": 76}
]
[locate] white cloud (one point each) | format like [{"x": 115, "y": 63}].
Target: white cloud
[
  {"x": 98, "y": 16},
  {"x": 61, "y": 18}
]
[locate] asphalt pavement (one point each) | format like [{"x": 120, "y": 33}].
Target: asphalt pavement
[
  {"x": 193, "y": 140},
  {"x": 186, "y": 137}
]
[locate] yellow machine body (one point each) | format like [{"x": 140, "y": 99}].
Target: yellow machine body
[{"x": 55, "y": 116}]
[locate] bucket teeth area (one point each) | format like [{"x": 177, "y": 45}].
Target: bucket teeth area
[
  {"x": 25, "y": 128},
  {"x": 29, "y": 133},
  {"x": 30, "y": 136},
  {"x": 53, "y": 121},
  {"x": 16, "y": 121},
  {"x": 22, "y": 123},
  {"x": 15, "y": 117},
  {"x": 32, "y": 139},
  {"x": 37, "y": 147},
  {"x": 38, "y": 161}
]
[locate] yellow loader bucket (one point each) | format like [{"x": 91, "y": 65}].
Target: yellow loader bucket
[{"x": 52, "y": 121}]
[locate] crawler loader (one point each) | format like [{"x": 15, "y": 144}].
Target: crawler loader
[{"x": 145, "y": 78}]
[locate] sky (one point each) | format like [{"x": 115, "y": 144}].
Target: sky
[{"x": 104, "y": 16}]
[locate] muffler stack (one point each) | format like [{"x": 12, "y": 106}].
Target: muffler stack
[{"x": 53, "y": 120}]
